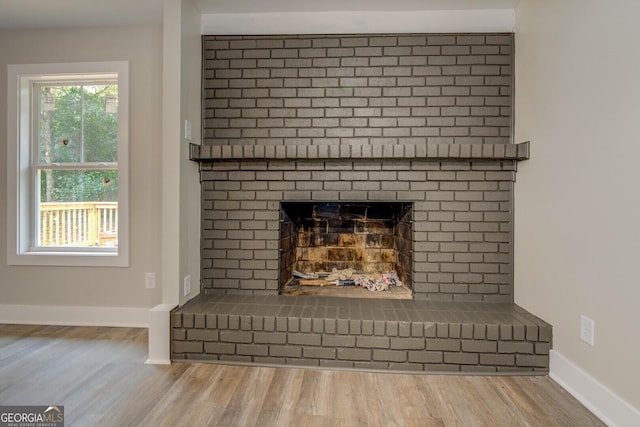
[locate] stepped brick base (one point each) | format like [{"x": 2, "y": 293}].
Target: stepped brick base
[{"x": 397, "y": 335}]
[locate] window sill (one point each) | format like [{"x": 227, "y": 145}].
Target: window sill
[{"x": 69, "y": 259}]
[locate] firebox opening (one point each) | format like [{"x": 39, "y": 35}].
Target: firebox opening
[{"x": 346, "y": 248}]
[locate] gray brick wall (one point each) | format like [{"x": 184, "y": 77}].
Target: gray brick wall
[
  {"x": 462, "y": 219},
  {"x": 361, "y": 118},
  {"x": 357, "y": 90},
  {"x": 519, "y": 344}
]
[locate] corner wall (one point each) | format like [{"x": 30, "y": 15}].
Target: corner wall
[
  {"x": 577, "y": 203},
  {"x": 180, "y": 185},
  {"x": 190, "y": 109}
]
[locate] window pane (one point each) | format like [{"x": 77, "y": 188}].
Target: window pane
[
  {"x": 78, "y": 123},
  {"x": 78, "y": 208},
  {"x": 101, "y": 123},
  {"x": 60, "y": 137}
]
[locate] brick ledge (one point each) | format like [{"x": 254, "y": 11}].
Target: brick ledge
[
  {"x": 392, "y": 335},
  {"x": 319, "y": 152}
]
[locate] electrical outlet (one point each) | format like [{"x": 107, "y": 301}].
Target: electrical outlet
[
  {"x": 587, "y": 330},
  {"x": 149, "y": 280},
  {"x": 187, "y": 285}
]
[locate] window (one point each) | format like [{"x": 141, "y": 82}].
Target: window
[{"x": 67, "y": 164}]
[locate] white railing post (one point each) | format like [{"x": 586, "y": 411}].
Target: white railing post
[{"x": 78, "y": 223}]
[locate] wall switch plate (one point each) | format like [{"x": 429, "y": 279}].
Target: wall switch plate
[
  {"x": 149, "y": 280},
  {"x": 187, "y": 285},
  {"x": 187, "y": 130},
  {"x": 587, "y": 330}
]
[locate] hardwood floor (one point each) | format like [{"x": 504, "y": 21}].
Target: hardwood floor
[{"x": 99, "y": 376}]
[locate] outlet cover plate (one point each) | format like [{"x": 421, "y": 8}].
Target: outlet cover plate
[
  {"x": 149, "y": 280},
  {"x": 587, "y": 330}
]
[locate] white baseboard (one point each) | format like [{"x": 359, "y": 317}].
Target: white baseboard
[
  {"x": 160, "y": 334},
  {"x": 137, "y": 317},
  {"x": 605, "y": 404},
  {"x": 157, "y": 362}
]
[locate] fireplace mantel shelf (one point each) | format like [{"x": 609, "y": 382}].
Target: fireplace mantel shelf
[{"x": 347, "y": 152}]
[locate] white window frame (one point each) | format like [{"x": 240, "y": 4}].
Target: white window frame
[{"x": 20, "y": 198}]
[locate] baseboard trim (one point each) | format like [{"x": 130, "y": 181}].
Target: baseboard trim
[
  {"x": 136, "y": 317},
  {"x": 605, "y": 404},
  {"x": 157, "y": 362}
]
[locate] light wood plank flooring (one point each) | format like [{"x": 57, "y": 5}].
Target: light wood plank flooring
[{"x": 99, "y": 376}]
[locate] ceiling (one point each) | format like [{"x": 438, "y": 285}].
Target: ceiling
[{"x": 89, "y": 13}]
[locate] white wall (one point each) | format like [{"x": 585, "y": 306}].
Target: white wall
[
  {"x": 96, "y": 287},
  {"x": 190, "y": 109},
  {"x": 180, "y": 180},
  {"x": 360, "y": 22},
  {"x": 171, "y": 147},
  {"x": 577, "y": 204}
]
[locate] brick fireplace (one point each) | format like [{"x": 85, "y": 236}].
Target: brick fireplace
[
  {"x": 308, "y": 137},
  {"x": 461, "y": 212}
]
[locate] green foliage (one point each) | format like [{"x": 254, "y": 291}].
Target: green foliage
[
  {"x": 77, "y": 126},
  {"x": 81, "y": 186}
]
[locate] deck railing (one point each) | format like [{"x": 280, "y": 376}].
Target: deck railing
[{"x": 79, "y": 224}]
